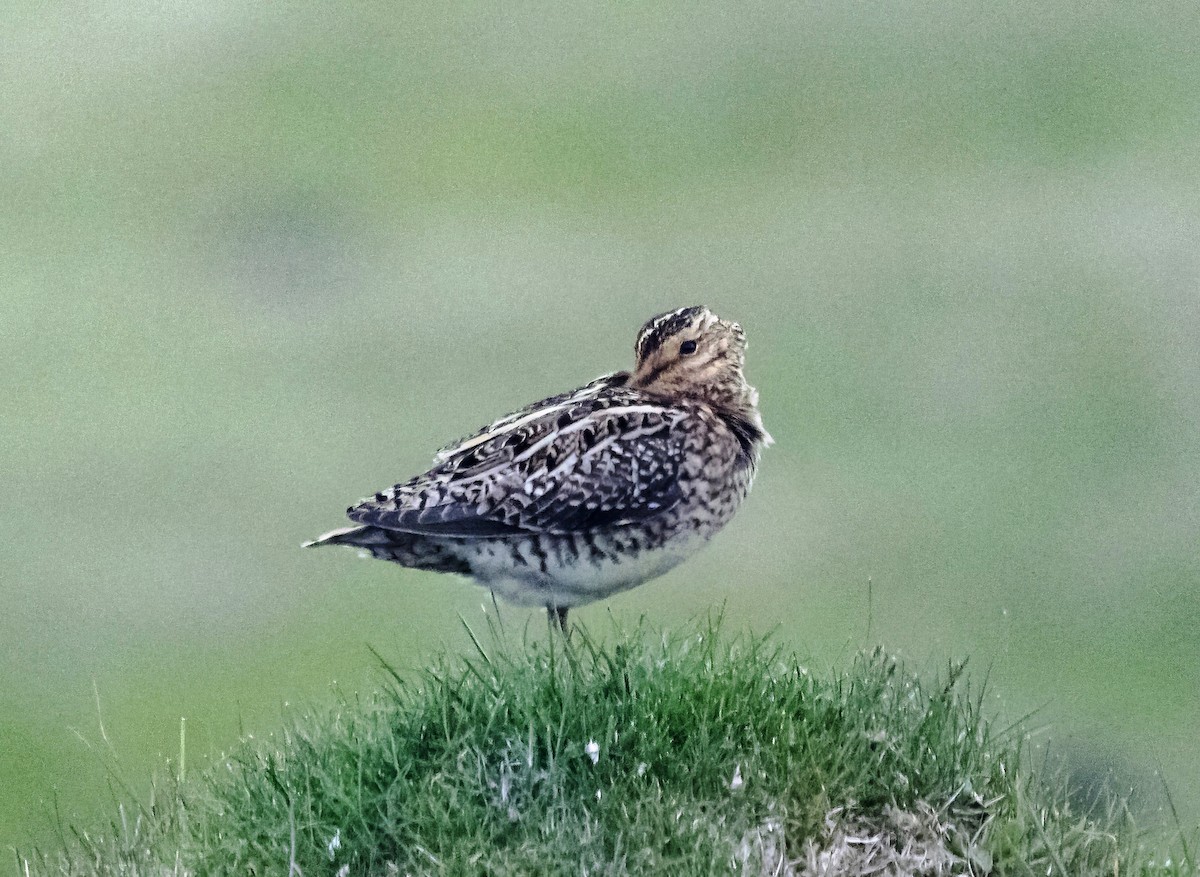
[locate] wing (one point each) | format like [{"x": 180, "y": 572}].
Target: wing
[
  {"x": 578, "y": 462},
  {"x": 599, "y": 388}
]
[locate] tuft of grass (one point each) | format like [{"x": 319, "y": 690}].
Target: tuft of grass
[{"x": 681, "y": 752}]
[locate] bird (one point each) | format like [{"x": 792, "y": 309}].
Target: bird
[{"x": 591, "y": 492}]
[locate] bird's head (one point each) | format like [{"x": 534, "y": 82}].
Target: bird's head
[{"x": 693, "y": 353}]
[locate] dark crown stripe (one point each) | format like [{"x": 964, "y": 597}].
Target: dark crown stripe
[{"x": 662, "y": 327}]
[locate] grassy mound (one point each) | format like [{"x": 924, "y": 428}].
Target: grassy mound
[{"x": 657, "y": 753}]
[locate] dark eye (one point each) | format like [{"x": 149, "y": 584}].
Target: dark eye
[{"x": 687, "y": 347}]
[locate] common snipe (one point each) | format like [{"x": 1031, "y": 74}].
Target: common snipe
[{"x": 587, "y": 493}]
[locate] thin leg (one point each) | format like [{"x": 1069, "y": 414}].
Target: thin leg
[{"x": 559, "y": 612}]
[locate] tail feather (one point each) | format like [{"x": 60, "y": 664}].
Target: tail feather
[
  {"x": 340, "y": 536},
  {"x": 407, "y": 549}
]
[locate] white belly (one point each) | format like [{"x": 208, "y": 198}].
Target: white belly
[{"x": 565, "y": 585}]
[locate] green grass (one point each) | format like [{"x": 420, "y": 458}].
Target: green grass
[{"x": 684, "y": 752}]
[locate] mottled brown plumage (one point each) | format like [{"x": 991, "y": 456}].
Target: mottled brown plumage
[{"x": 587, "y": 493}]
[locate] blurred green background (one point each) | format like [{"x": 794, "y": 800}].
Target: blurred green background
[{"x": 259, "y": 260}]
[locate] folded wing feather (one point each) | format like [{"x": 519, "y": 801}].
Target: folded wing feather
[{"x": 598, "y": 461}]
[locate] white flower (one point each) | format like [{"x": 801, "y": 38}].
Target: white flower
[
  {"x": 592, "y": 751},
  {"x": 335, "y": 843},
  {"x": 737, "y": 782}
]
